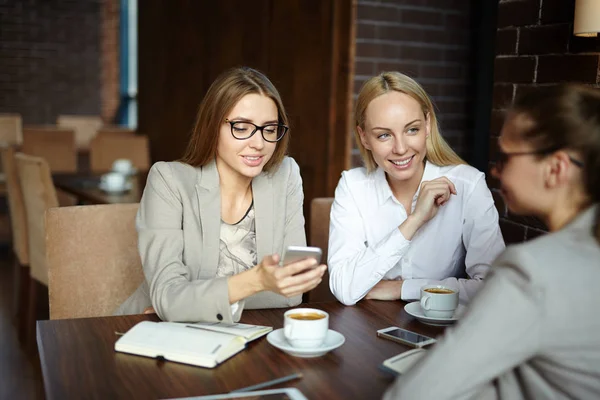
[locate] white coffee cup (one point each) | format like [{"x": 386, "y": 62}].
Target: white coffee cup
[
  {"x": 305, "y": 327},
  {"x": 122, "y": 166},
  {"x": 438, "y": 301},
  {"x": 113, "y": 180}
]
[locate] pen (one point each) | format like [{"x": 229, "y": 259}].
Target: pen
[{"x": 269, "y": 383}]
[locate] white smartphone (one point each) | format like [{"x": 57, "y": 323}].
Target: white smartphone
[
  {"x": 297, "y": 253},
  {"x": 403, "y": 336}
]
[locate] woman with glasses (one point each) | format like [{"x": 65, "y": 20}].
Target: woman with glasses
[
  {"x": 532, "y": 331},
  {"x": 212, "y": 225},
  {"x": 416, "y": 214}
]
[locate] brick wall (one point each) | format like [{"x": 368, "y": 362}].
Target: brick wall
[
  {"x": 428, "y": 40},
  {"x": 50, "y": 54},
  {"x": 109, "y": 57},
  {"x": 535, "y": 46}
]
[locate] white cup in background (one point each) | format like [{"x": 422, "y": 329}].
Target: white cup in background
[
  {"x": 305, "y": 327},
  {"x": 122, "y": 166},
  {"x": 113, "y": 180},
  {"x": 438, "y": 301}
]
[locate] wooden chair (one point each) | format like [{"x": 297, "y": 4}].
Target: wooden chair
[
  {"x": 320, "y": 209},
  {"x": 85, "y": 127},
  {"x": 39, "y": 195},
  {"x": 11, "y": 129},
  {"x": 115, "y": 130},
  {"x": 105, "y": 149},
  {"x": 93, "y": 260},
  {"x": 11, "y": 134},
  {"x": 55, "y": 145},
  {"x": 18, "y": 223}
]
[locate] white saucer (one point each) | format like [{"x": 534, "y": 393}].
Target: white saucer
[
  {"x": 332, "y": 341},
  {"x": 416, "y": 311},
  {"x": 125, "y": 188}
]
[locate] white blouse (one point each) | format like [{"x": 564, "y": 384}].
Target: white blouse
[{"x": 366, "y": 246}]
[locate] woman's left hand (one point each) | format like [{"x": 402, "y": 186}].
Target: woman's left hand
[{"x": 385, "y": 290}]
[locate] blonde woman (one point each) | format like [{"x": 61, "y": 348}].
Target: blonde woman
[
  {"x": 205, "y": 222},
  {"x": 416, "y": 214}
]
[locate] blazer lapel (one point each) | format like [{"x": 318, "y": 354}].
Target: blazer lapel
[
  {"x": 209, "y": 210},
  {"x": 262, "y": 192}
]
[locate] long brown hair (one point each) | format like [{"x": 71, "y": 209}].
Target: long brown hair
[
  {"x": 567, "y": 117},
  {"x": 438, "y": 151},
  {"x": 221, "y": 97}
]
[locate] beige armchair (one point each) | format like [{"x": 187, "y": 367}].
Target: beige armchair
[
  {"x": 38, "y": 196},
  {"x": 11, "y": 129},
  {"x": 93, "y": 259},
  {"x": 85, "y": 127},
  {"x": 56, "y": 146},
  {"x": 11, "y": 134},
  {"x": 18, "y": 222},
  {"x": 105, "y": 149}
]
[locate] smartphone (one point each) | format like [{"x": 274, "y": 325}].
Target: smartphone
[
  {"x": 297, "y": 253},
  {"x": 403, "y": 336}
]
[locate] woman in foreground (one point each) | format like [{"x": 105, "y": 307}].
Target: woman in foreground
[{"x": 532, "y": 331}]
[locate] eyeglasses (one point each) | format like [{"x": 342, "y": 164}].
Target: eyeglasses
[
  {"x": 245, "y": 130},
  {"x": 503, "y": 156}
]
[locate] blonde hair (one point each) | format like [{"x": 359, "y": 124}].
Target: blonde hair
[
  {"x": 222, "y": 96},
  {"x": 438, "y": 151}
]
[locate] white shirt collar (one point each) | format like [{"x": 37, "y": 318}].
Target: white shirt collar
[{"x": 384, "y": 192}]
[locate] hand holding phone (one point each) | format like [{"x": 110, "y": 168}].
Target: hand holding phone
[{"x": 406, "y": 337}]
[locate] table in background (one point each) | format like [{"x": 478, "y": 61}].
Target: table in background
[
  {"x": 85, "y": 188},
  {"x": 78, "y": 358}
]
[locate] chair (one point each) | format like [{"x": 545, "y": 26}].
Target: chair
[
  {"x": 11, "y": 129},
  {"x": 115, "y": 130},
  {"x": 11, "y": 133},
  {"x": 55, "y": 145},
  {"x": 93, "y": 260},
  {"x": 320, "y": 209},
  {"x": 85, "y": 127},
  {"x": 105, "y": 149},
  {"x": 18, "y": 222},
  {"x": 39, "y": 195}
]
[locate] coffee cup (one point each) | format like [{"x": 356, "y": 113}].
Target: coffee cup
[
  {"x": 122, "y": 166},
  {"x": 113, "y": 180},
  {"x": 305, "y": 327},
  {"x": 438, "y": 301}
]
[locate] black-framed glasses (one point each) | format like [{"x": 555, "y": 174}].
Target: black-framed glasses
[
  {"x": 503, "y": 156},
  {"x": 244, "y": 130}
]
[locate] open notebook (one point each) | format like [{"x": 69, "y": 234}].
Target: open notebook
[{"x": 202, "y": 344}]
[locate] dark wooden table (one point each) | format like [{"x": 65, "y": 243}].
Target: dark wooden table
[
  {"x": 78, "y": 358},
  {"x": 85, "y": 188}
]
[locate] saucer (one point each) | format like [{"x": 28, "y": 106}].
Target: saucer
[
  {"x": 416, "y": 311},
  {"x": 125, "y": 188},
  {"x": 332, "y": 341}
]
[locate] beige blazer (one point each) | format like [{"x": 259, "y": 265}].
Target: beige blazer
[
  {"x": 178, "y": 226},
  {"x": 532, "y": 332}
]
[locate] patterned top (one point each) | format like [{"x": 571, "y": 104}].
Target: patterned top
[{"x": 237, "y": 246}]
